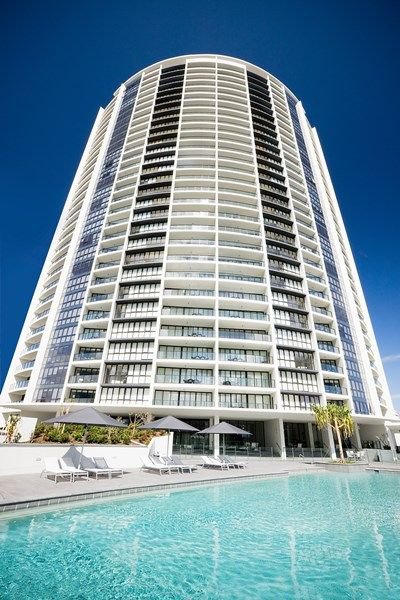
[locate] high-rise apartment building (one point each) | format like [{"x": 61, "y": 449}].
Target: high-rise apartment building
[{"x": 201, "y": 267}]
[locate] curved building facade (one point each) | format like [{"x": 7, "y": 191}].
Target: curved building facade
[{"x": 201, "y": 267}]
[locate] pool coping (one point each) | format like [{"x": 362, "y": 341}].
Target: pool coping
[{"x": 7, "y": 508}]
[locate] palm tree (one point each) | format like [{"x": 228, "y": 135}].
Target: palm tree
[{"x": 338, "y": 418}]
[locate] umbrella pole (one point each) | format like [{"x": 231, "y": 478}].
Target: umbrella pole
[
  {"x": 223, "y": 444},
  {"x": 171, "y": 433},
  {"x": 83, "y": 445}
]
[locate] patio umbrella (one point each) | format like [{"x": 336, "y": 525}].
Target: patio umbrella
[
  {"x": 87, "y": 417},
  {"x": 169, "y": 424},
  {"x": 225, "y": 429}
]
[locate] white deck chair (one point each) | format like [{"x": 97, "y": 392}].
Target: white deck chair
[
  {"x": 67, "y": 464},
  {"x": 106, "y": 463},
  {"x": 52, "y": 468},
  {"x": 161, "y": 462},
  {"x": 361, "y": 455},
  {"x": 240, "y": 464},
  {"x": 160, "y": 469},
  {"x": 212, "y": 463},
  {"x": 177, "y": 462}
]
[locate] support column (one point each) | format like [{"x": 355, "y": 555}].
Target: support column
[
  {"x": 311, "y": 435},
  {"x": 392, "y": 442},
  {"x": 357, "y": 436},
  {"x": 282, "y": 437},
  {"x": 170, "y": 443},
  {"x": 327, "y": 437},
  {"x": 216, "y": 438}
]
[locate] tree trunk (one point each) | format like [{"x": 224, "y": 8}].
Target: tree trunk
[{"x": 339, "y": 438}]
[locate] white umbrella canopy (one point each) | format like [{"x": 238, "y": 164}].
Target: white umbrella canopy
[
  {"x": 224, "y": 428},
  {"x": 169, "y": 424},
  {"x": 87, "y": 417}
]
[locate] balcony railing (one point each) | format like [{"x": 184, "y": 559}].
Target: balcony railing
[
  {"x": 289, "y": 304},
  {"x": 191, "y": 274},
  {"x": 84, "y": 378},
  {"x": 100, "y": 297},
  {"x": 188, "y": 380},
  {"x": 88, "y": 356},
  {"x": 321, "y": 310},
  {"x": 244, "y": 335},
  {"x": 26, "y": 365},
  {"x": 249, "y": 403},
  {"x": 98, "y": 315},
  {"x": 241, "y": 277},
  {"x": 264, "y": 382},
  {"x": 334, "y": 389},
  {"x": 93, "y": 334},
  {"x": 22, "y": 383},
  {"x": 247, "y": 358},
  {"x": 188, "y": 292},
  {"x": 327, "y": 347},
  {"x": 324, "y": 328},
  {"x": 186, "y": 355},
  {"x": 331, "y": 368}
]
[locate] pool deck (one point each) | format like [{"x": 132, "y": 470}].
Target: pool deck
[{"x": 18, "y": 492}]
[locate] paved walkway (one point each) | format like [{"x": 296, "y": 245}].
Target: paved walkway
[{"x": 28, "y": 491}]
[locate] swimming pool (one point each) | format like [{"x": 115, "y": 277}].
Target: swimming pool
[{"x": 319, "y": 536}]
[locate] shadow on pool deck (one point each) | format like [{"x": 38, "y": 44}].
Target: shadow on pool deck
[{"x": 27, "y": 491}]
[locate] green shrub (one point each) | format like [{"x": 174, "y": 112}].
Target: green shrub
[{"x": 73, "y": 434}]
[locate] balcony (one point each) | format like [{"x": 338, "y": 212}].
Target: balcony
[
  {"x": 187, "y": 292},
  {"x": 318, "y": 294},
  {"x": 190, "y": 274},
  {"x": 92, "y": 334},
  {"x": 242, "y": 296},
  {"x": 285, "y": 284},
  {"x": 177, "y": 355},
  {"x": 246, "y": 358},
  {"x": 244, "y": 335},
  {"x": 293, "y": 323},
  {"x": 243, "y": 314},
  {"x": 103, "y": 280},
  {"x": 293, "y": 343},
  {"x": 88, "y": 356},
  {"x": 264, "y": 382},
  {"x": 96, "y": 315},
  {"x": 243, "y": 401},
  {"x": 186, "y": 311},
  {"x": 299, "y": 403},
  {"x": 25, "y": 366},
  {"x": 178, "y": 379},
  {"x": 328, "y": 347},
  {"x": 108, "y": 249},
  {"x": 334, "y": 389},
  {"x": 241, "y": 261},
  {"x": 100, "y": 297},
  {"x": 241, "y": 277},
  {"x": 289, "y": 304},
  {"x": 331, "y": 368},
  {"x": 84, "y": 378},
  {"x": 324, "y": 328},
  {"x": 321, "y": 310},
  {"x": 81, "y": 397},
  {"x": 20, "y": 384},
  {"x": 187, "y": 332}
]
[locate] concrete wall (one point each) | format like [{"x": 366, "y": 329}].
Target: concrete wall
[{"x": 16, "y": 459}]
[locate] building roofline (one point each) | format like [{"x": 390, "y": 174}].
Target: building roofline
[{"x": 181, "y": 58}]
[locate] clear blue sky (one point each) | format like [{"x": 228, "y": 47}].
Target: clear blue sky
[{"x": 63, "y": 59}]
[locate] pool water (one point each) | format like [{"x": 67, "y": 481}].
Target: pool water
[{"x": 320, "y": 536}]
